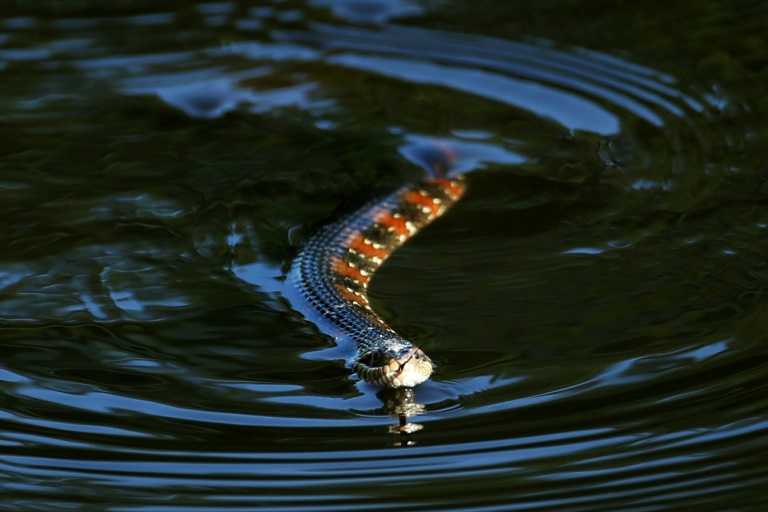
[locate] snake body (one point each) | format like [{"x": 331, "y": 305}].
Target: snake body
[{"x": 336, "y": 265}]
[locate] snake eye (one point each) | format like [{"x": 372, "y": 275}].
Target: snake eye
[
  {"x": 372, "y": 358},
  {"x": 417, "y": 356}
]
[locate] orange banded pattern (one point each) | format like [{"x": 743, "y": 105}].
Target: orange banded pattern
[{"x": 336, "y": 265}]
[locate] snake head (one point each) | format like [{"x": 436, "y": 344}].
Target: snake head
[{"x": 406, "y": 367}]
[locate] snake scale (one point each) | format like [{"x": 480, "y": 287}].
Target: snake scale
[{"x": 334, "y": 268}]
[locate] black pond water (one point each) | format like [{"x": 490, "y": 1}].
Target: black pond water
[{"x": 596, "y": 303}]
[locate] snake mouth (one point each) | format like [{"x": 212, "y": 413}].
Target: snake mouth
[{"x": 405, "y": 368}]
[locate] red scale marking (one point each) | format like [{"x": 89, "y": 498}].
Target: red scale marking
[
  {"x": 344, "y": 269},
  {"x": 353, "y": 297},
  {"x": 419, "y": 198},
  {"x": 398, "y": 225},
  {"x": 453, "y": 188},
  {"x": 358, "y": 244}
]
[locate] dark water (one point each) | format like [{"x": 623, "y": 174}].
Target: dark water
[{"x": 596, "y": 303}]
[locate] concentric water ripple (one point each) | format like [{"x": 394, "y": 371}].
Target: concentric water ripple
[{"x": 595, "y": 304}]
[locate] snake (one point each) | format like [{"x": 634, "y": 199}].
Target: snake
[{"x": 335, "y": 266}]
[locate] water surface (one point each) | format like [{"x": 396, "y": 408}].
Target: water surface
[{"x": 596, "y": 303}]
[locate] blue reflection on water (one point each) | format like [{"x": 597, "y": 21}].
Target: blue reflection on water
[
  {"x": 471, "y": 155},
  {"x": 371, "y": 11},
  {"x": 570, "y": 110}
]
